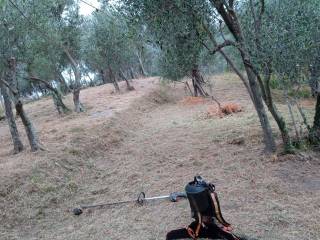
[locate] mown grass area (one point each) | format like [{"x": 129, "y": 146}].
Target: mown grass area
[{"x": 156, "y": 145}]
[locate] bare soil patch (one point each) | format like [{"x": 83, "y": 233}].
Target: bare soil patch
[{"x": 148, "y": 141}]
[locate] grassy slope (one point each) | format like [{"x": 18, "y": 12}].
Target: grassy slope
[{"x": 112, "y": 153}]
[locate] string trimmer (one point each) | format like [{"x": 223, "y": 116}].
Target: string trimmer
[{"x": 173, "y": 197}]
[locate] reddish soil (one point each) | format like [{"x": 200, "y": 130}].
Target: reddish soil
[{"x": 146, "y": 140}]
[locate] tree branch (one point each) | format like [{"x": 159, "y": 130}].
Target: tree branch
[
  {"x": 228, "y": 16},
  {"x": 14, "y": 91},
  {"x": 222, "y": 45},
  {"x": 221, "y": 30},
  {"x": 226, "y": 57},
  {"x": 262, "y": 9},
  {"x": 44, "y": 82},
  {"x": 253, "y": 11}
]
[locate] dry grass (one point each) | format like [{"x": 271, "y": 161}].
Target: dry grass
[
  {"x": 144, "y": 141},
  {"x": 193, "y": 100}
]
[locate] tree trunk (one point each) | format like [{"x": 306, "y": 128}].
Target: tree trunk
[
  {"x": 103, "y": 77},
  {"x": 76, "y": 91},
  {"x": 289, "y": 104},
  {"x": 270, "y": 145},
  {"x": 17, "y": 144},
  {"x": 31, "y": 133},
  {"x": 314, "y": 133},
  {"x": 56, "y": 96},
  {"x": 314, "y": 70},
  {"x": 76, "y": 101},
  {"x": 281, "y": 123},
  {"x": 64, "y": 86},
  {"x": 197, "y": 82},
  {"x": 113, "y": 80},
  {"x": 231, "y": 20},
  {"x": 123, "y": 76},
  {"x": 58, "y": 103},
  {"x": 131, "y": 73},
  {"x": 141, "y": 65},
  {"x": 77, "y": 84}
]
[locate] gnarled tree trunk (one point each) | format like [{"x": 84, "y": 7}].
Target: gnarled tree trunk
[
  {"x": 197, "y": 82},
  {"x": 230, "y": 19},
  {"x": 17, "y": 143},
  {"x": 314, "y": 81},
  {"x": 263, "y": 117},
  {"x": 63, "y": 84},
  {"x": 77, "y": 84},
  {"x": 113, "y": 79},
  {"x": 56, "y": 96},
  {"x": 31, "y": 133},
  {"x": 123, "y": 76},
  {"x": 131, "y": 73},
  {"x": 141, "y": 65},
  {"x": 268, "y": 99},
  {"x": 12, "y": 81},
  {"x": 103, "y": 77},
  {"x": 314, "y": 133}
]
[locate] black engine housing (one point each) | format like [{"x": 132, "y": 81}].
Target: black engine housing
[{"x": 198, "y": 193}]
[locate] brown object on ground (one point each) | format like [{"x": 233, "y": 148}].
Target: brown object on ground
[
  {"x": 230, "y": 108},
  {"x": 237, "y": 141},
  {"x": 226, "y": 109}
]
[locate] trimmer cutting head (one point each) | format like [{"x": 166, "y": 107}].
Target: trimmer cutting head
[{"x": 77, "y": 211}]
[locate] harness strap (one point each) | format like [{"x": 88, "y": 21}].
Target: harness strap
[
  {"x": 191, "y": 233},
  {"x": 194, "y": 234},
  {"x": 215, "y": 201},
  {"x": 199, "y": 225},
  {"x": 217, "y": 209}
]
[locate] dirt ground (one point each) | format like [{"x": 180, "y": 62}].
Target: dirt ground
[{"x": 151, "y": 140}]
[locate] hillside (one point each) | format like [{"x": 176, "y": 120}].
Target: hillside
[{"x": 154, "y": 141}]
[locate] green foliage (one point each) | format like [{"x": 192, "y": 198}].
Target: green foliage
[
  {"x": 288, "y": 39},
  {"x": 303, "y": 92},
  {"x": 176, "y": 30},
  {"x": 37, "y": 37},
  {"x": 274, "y": 82},
  {"x": 106, "y": 42}
]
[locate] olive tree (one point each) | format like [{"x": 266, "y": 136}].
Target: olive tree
[
  {"x": 13, "y": 36},
  {"x": 284, "y": 45},
  {"x": 108, "y": 48}
]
